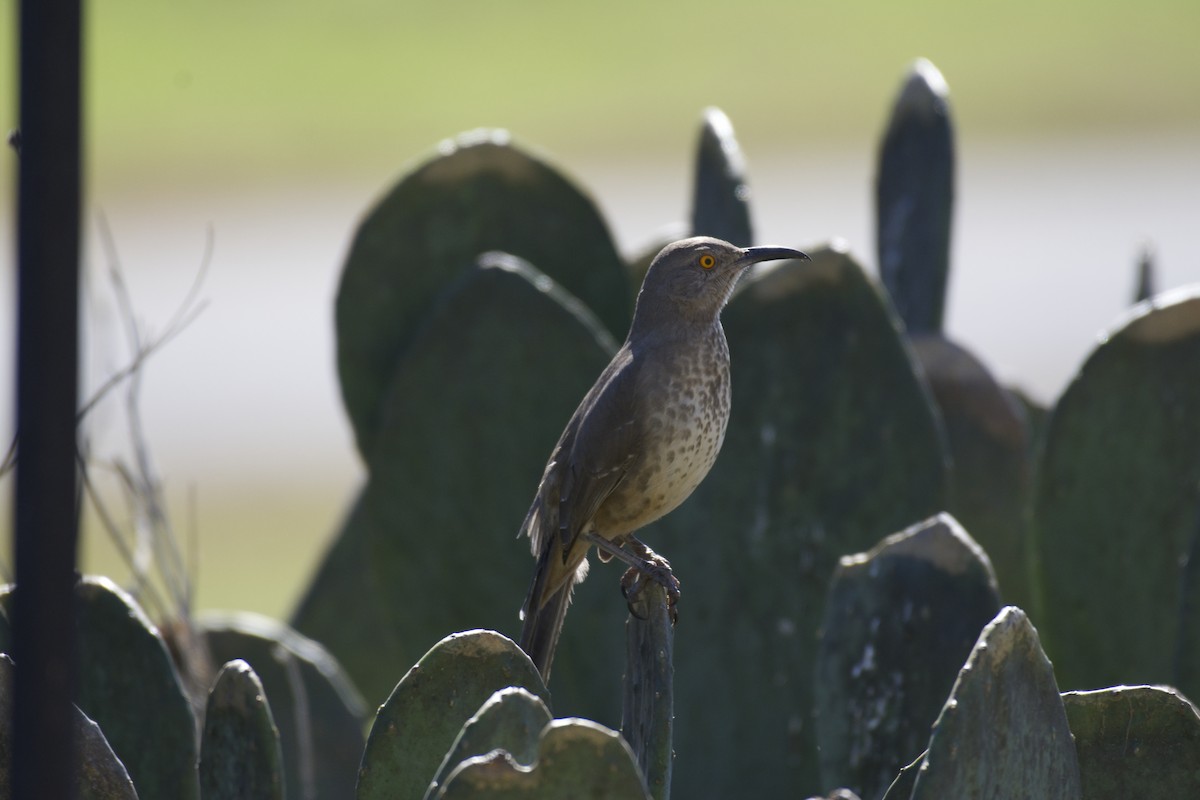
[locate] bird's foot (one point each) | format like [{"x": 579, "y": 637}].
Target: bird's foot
[
  {"x": 644, "y": 564},
  {"x": 653, "y": 567}
]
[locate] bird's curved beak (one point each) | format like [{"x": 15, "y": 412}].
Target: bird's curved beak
[{"x": 753, "y": 255}]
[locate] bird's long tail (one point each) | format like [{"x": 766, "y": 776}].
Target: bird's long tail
[{"x": 543, "y": 614}]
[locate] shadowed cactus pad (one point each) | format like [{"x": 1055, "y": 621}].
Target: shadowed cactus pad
[
  {"x": 1136, "y": 741},
  {"x": 1003, "y": 732},
  {"x": 127, "y": 683},
  {"x": 511, "y": 720},
  {"x": 475, "y": 405},
  {"x": 914, "y": 199},
  {"x": 421, "y": 719},
  {"x": 577, "y": 760},
  {"x": 319, "y": 713},
  {"x": 240, "y": 757},
  {"x": 900, "y": 621},
  {"x": 479, "y": 193},
  {"x": 101, "y": 775},
  {"x": 648, "y": 705},
  {"x": 989, "y": 439},
  {"x": 721, "y": 199},
  {"x": 1116, "y": 503}
]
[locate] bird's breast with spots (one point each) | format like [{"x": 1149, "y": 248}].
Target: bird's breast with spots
[{"x": 683, "y": 426}]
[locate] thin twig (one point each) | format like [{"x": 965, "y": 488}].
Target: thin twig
[{"x": 114, "y": 531}]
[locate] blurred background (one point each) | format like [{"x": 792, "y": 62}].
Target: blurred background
[{"x": 251, "y": 137}]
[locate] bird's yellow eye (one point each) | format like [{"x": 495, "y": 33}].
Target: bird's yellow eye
[{"x": 707, "y": 261}]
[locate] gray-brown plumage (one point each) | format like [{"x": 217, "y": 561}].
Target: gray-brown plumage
[{"x": 646, "y": 433}]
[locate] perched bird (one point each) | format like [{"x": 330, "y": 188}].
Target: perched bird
[{"x": 643, "y": 437}]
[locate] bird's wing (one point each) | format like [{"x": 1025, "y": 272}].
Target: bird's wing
[{"x": 603, "y": 450}]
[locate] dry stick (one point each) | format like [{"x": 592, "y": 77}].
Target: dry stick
[
  {"x": 184, "y": 315},
  {"x": 114, "y": 532},
  {"x": 143, "y": 481}
]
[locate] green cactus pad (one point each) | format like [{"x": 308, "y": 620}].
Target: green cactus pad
[
  {"x": 577, "y": 760},
  {"x": 421, "y": 719},
  {"x": 319, "y": 713},
  {"x": 473, "y": 411},
  {"x": 989, "y": 439},
  {"x": 900, "y": 621},
  {"x": 240, "y": 758},
  {"x": 511, "y": 720},
  {"x": 127, "y": 683},
  {"x": 721, "y": 199},
  {"x": 1003, "y": 732},
  {"x": 1136, "y": 741},
  {"x": 818, "y": 461},
  {"x": 914, "y": 199},
  {"x": 1116, "y": 501},
  {"x": 479, "y": 193},
  {"x": 648, "y": 707},
  {"x": 101, "y": 775}
]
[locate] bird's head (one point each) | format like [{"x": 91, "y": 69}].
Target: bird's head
[{"x": 692, "y": 279}]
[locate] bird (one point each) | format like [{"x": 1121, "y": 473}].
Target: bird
[{"x": 643, "y": 437}]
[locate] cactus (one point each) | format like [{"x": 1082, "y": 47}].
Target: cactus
[
  {"x": 1136, "y": 741},
  {"x": 577, "y": 760},
  {"x": 319, "y": 713},
  {"x": 1116, "y": 503},
  {"x": 479, "y": 193},
  {"x": 987, "y": 427},
  {"x": 648, "y": 708},
  {"x": 511, "y": 720},
  {"x": 240, "y": 758},
  {"x": 418, "y": 724},
  {"x": 1003, "y": 731},
  {"x": 816, "y": 463},
  {"x": 914, "y": 200},
  {"x": 129, "y": 686},
  {"x": 101, "y": 775},
  {"x": 1147, "y": 276},
  {"x": 721, "y": 197},
  {"x": 990, "y": 444},
  {"x": 900, "y": 621},
  {"x": 476, "y": 404}
]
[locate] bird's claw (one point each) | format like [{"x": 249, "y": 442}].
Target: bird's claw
[{"x": 657, "y": 569}]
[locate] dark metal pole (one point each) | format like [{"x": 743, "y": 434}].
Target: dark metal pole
[{"x": 48, "y": 238}]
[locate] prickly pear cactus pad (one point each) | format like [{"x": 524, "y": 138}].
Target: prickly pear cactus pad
[
  {"x": 421, "y": 719},
  {"x": 899, "y": 624},
  {"x": 479, "y": 193},
  {"x": 240, "y": 757},
  {"x": 1116, "y": 504},
  {"x": 1003, "y": 732},
  {"x": 832, "y": 443},
  {"x": 1136, "y": 741},
  {"x": 127, "y": 683},
  {"x": 319, "y": 713},
  {"x": 475, "y": 406},
  {"x": 577, "y": 760},
  {"x": 721, "y": 200},
  {"x": 914, "y": 199},
  {"x": 989, "y": 439},
  {"x": 648, "y": 704},
  {"x": 511, "y": 720},
  {"x": 101, "y": 775}
]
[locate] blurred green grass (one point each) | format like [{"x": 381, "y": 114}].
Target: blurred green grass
[
  {"x": 226, "y": 91},
  {"x": 220, "y": 93}
]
